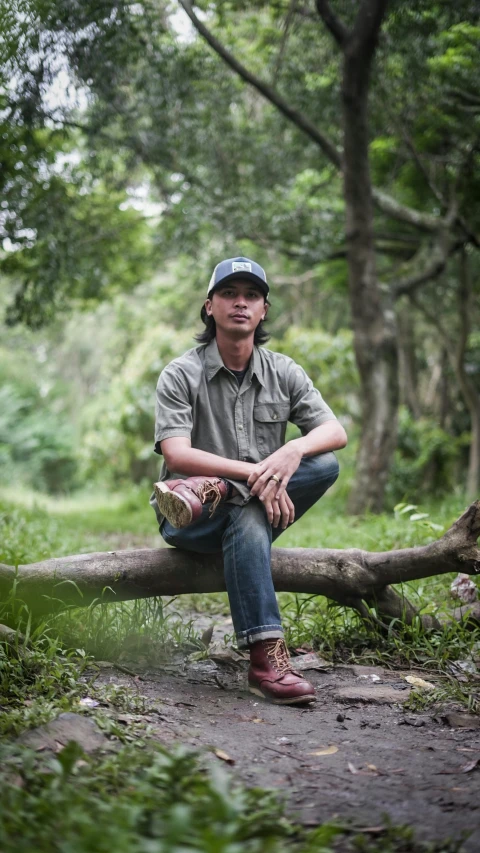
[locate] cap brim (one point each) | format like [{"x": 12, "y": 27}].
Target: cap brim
[{"x": 249, "y": 276}]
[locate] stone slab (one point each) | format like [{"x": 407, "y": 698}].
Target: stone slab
[
  {"x": 376, "y": 694},
  {"x": 64, "y": 728}
]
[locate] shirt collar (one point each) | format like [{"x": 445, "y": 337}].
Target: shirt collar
[{"x": 214, "y": 362}]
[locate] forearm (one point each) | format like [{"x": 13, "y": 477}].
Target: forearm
[
  {"x": 324, "y": 438},
  {"x": 193, "y": 462}
]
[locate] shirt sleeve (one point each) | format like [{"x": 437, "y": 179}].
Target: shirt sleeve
[
  {"x": 308, "y": 408},
  {"x": 173, "y": 409}
]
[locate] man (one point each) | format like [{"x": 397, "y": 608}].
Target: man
[{"x": 229, "y": 482}]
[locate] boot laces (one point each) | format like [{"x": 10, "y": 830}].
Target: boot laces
[
  {"x": 210, "y": 491},
  {"x": 278, "y": 653}
]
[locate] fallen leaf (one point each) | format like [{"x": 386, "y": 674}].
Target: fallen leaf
[
  {"x": 419, "y": 682},
  {"x": 370, "y": 829},
  {"x": 87, "y": 702},
  {"x": 372, "y": 770},
  {"x": 224, "y": 756},
  {"x": 328, "y": 750},
  {"x": 258, "y": 720},
  {"x": 206, "y": 637},
  {"x": 370, "y": 677}
]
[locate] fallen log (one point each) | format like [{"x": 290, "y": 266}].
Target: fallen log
[{"x": 352, "y": 577}]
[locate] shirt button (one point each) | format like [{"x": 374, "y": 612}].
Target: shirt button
[
  {"x": 240, "y": 426},
  {"x": 274, "y": 416}
]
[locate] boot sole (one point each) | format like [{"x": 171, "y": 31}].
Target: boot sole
[
  {"x": 299, "y": 700},
  {"x": 177, "y": 511}
]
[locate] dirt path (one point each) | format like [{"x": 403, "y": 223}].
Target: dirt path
[{"x": 356, "y": 756}]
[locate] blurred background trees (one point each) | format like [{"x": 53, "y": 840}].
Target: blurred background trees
[{"x": 134, "y": 157}]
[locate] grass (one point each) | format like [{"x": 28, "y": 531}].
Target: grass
[
  {"x": 142, "y": 797},
  {"x": 153, "y": 627}
]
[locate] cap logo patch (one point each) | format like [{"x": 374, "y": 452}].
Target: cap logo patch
[{"x": 241, "y": 266}]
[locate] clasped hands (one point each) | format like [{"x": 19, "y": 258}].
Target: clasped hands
[{"x": 269, "y": 479}]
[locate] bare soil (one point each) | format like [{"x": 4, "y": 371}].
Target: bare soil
[{"x": 356, "y": 757}]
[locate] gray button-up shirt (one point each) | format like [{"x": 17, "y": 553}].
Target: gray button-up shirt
[{"x": 200, "y": 399}]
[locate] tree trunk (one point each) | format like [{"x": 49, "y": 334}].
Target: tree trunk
[
  {"x": 468, "y": 388},
  {"x": 352, "y": 577},
  {"x": 473, "y": 476},
  {"x": 373, "y": 322},
  {"x": 407, "y": 368}
]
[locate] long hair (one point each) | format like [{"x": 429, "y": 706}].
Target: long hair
[{"x": 261, "y": 335}]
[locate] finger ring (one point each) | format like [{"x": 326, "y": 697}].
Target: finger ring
[{"x": 274, "y": 477}]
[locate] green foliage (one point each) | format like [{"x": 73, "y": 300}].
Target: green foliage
[
  {"x": 329, "y": 361},
  {"x": 66, "y": 233},
  {"x": 81, "y": 245},
  {"x": 35, "y": 447},
  {"x": 119, "y": 427},
  {"x": 132, "y": 802},
  {"x": 427, "y": 459}
]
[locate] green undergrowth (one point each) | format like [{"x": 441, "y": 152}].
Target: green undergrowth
[
  {"x": 150, "y": 629},
  {"x": 139, "y": 796},
  {"x": 144, "y": 799},
  {"x": 136, "y": 799},
  {"x": 150, "y": 800}
]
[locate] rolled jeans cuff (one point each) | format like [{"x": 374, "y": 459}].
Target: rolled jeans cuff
[{"x": 263, "y": 632}]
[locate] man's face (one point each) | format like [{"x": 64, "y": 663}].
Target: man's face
[{"x": 237, "y": 307}]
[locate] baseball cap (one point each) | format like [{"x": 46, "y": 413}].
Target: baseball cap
[{"x": 238, "y": 268}]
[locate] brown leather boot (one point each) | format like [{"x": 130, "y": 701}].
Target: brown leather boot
[
  {"x": 272, "y": 676},
  {"x": 181, "y": 501}
]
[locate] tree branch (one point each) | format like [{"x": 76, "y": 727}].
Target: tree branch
[
  {"x": 283, "y": 44},
  {"x": 439, "y": 258},
  {"x": 388, "y": 205},
  {"x": 402, "y": 213},
  {"x": 447, "y": 339},
  {"x": 439, "y": 254},
  {"x": 298, "y": 118},
  {"x": 345, "y": 576},
  {"x": 332, "y": 23}
]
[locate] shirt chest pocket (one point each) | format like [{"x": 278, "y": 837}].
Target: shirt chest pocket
[{"x": 270, "y": 423}]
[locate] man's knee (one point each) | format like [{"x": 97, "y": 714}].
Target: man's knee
[{"x": 324, "y": 467}]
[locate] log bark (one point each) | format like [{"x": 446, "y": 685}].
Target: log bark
[{"x": 354, "y": 578}]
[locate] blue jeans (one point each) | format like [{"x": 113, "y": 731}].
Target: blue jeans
[{"x": 244, "y": 535}]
